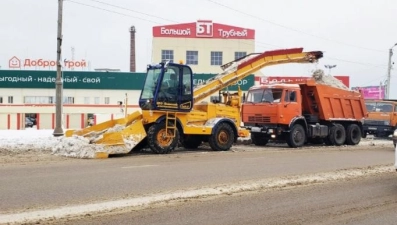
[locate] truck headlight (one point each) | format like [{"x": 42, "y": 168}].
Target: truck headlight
[
  {"x": 395, "y": 133},
  {"x": 387, "y": 123}
]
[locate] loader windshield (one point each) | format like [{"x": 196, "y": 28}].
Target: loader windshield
[{"x": 150, "y": 83}]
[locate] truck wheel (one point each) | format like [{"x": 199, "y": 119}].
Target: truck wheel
[
  {"x": 353, "y": 134},
  {"x": 296, "y": 136},
  {"x": 158, "y": 141},
  {"x": 259, "y": 139},
  {"x": 222, "y": 138},
  {"x": 337, "y": 135},
  {"x": 191, "y": 142}
]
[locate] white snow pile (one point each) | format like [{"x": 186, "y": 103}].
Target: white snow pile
[
  {"x": 319, "y": 76},
  {"x": 76, "y": 147}
]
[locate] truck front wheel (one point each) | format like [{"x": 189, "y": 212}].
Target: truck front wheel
[
  {"x": 296, "y": 137},
  {"x": 222, "y": 138}
]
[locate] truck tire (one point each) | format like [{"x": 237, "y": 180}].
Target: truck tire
[
  {"x": 157, "y": 140},
  {"x": 337, "y": 135},
  {"x": 191, "y": 142},
  {"x": 296, "y": 137},
  {"x": 222, "y": 138},
  {"x": 353, "y": 134},
  {"x": 259, "y": 139}
]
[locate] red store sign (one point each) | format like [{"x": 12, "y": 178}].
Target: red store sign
[
  {"x": 273, "y": 79},
  {"x": 203, "y": 29}
]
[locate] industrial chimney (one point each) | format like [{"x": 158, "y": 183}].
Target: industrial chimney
[{"x": 132, "y": 50}]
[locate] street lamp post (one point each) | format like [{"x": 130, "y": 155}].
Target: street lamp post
[
  {"x": 389, "y": 72},
  {"x": 58, "y": 131},
  {"x": 329, "y": 67}
]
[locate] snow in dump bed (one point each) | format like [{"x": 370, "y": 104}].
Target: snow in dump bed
[{"x": 319, "y": 76}]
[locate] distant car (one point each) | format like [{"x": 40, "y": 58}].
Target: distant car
[
  {"x": 394, "y": 137},
  {"x": 32, "y": 119},
  {"x": 28, "y": 122}
]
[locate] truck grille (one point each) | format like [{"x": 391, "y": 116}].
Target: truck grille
[
  {"x": 259, "y": 119},
  {"x": 374, "y": 122}
]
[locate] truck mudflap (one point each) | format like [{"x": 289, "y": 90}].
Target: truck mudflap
[{"x": 117, "y": 136}]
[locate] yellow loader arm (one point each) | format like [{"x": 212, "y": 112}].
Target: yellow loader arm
[{"x": 241, "y": 68}]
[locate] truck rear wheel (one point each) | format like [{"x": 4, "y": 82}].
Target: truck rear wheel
[
  {"x": 159, "y": 141},
  {"x": 259, "y": 139},
  {"x": 222, "y": 138},
  {"x": 353, "y": 134},
  {"x": 296, "y": 137},
  {"x": 337, "y": 135}
]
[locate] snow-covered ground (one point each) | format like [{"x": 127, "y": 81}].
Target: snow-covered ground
[
  {"x": 33, "y": 140},
  {"x": 43, "y": 141}
]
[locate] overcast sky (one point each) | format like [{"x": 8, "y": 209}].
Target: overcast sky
[{"x": 355, "y": 35}]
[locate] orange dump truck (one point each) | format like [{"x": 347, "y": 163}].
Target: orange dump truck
[
  {"x": 303, "y": 112},
  {"x": 382, "y": 117}
]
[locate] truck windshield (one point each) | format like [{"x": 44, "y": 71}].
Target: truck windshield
[
  {"x": 264, "y": 95},
  {"x": 379, "y": 107},
  {"x": 150, "y": 83}
]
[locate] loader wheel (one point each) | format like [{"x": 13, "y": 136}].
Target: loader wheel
[
  {"x": 297, "y": 136},
  {"x": 259, "y": 139},
  {"x": 159, "y": 141},
  {"x": 222, "y": 138},
  {"x": 353, "y": 135},
  {"x": 337, "y": 135}
]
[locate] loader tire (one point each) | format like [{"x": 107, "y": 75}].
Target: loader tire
[
  {"x": 337, "y": 135},
  {"x": 222, "y": 138},
  {"x": 259, "y": 139},
  {"x": 353, "y": 134},
  {"x": 158, "y": 140},
  {"x": 296, "y": 137}
]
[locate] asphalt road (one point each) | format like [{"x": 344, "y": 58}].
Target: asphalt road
[
  {"x": 367, "y": 201},
  {"x": 37, "y": 185}
]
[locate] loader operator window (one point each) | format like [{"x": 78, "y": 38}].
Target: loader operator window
[
  {"x": 150, "y": 83},
  {"x": 170, "y": 85}
]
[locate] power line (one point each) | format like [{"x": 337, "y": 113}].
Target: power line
[
  {"x": 293, "y": 29},
  {"x": 131, "y": 10},
  {"x": 111, "y": 11},
  {"x": 151, "y": 21}
]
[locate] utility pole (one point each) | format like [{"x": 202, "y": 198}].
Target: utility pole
[
  {"x": 389, "y": 67},
  {"x": 58, "y": 131}
]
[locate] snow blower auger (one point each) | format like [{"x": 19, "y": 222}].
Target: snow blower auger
[{"x": 118, "y": 136}]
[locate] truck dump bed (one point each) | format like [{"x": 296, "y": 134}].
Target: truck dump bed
[{"x": 331, "y": 103}]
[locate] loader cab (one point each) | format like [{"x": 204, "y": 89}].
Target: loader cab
[{"x": 168, "y": 86}]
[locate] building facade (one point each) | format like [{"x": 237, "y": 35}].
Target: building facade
[
  {"x": 88, "y": 97},
  {"x": 203, "y": 45}
]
